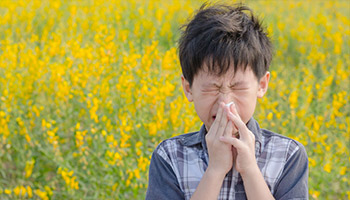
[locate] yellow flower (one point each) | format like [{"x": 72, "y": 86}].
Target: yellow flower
[
  {"x": 152, "y": 129},
  {"x": 138, "y": 144},
  {"x": 342, "y": 170},
  {"x": 77, "y": 126},
  {"x": 312, "y": 162},
  {"x": 137, "y": 173},
  {"x": 269, "y": 116},
  {"x": 110, "y": 138},
  {"x": 127, "y": 183},
  {"x": 314, "y": 194},
  {"x": 327, "y": 167},
  {"x": 29, "y": 192},
  {"x": 23, "y": 190},
  {"x": 48, "y": 190},
  {"x": 7, "y": 191},
  {"x": 29, "y": 167},
  {"x": 41, "y": 194},
  {"x": 27, "y": 137},
  {"x": 68, "y": 177},
  {"x": 17, "y": 191},
  {"x": 114, "y": 187},
  {"x": 293, "y": 99},
  {"x": 142, "y": 163}
]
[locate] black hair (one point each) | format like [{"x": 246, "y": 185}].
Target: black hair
[{"x": 219, "y": 35}]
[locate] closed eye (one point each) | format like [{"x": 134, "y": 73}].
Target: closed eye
[
  {"x": 239, "y": 88},
  {"x": 210, "y": 91}
]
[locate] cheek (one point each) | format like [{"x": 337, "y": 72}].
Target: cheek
[
  {"x": 203, "y": 114},
  {"x": 245, "y": 109},
  {"x": 203, "y": 106}
]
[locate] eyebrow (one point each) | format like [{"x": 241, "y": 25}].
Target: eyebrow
[
  {"x": 237, "y": 83},
  {"x": 211, "y": 84}
]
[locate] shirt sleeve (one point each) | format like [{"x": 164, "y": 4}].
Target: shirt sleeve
[
  {"x": 293, "y": 183},
  {"x": 162, "y": 182}
]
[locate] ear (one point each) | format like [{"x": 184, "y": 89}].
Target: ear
[
  {"x": 187, "y": 88},
  {"x": 263, "y": 84}
]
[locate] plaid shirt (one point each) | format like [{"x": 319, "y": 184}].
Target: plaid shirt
[{"x": 178, "y": 164}]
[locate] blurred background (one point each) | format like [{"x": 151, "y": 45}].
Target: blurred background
[{"x": 89, "y": 88}]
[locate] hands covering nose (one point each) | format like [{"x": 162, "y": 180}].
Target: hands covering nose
[{"x": 227, "y": 148}]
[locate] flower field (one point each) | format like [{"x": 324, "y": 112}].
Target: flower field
[{"x": 89, "y": 88}]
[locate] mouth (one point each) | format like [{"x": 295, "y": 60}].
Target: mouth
[{"x": 214, "y": 117}]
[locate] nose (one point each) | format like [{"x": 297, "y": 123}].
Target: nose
[{"x": 225, "y": 97}]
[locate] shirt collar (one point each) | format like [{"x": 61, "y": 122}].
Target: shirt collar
[
  {"x": 253, "y": 126},
  {"x": 191, "y": 139},
  {"x": 199, "y": 138}
]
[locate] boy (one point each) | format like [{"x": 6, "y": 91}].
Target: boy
[{"x": 225, "y": 56}]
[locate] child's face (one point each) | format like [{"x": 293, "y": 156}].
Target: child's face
[{"x": 209, "y": 90}]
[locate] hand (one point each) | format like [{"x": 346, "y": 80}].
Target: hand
[
  {"x": 243, "y": 147},
  {"x": 220, "y": 153}
]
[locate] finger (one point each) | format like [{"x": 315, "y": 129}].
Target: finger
[
  {"x": 234, "y": 131},
  {"x": 214, "y": 127},
  {"x": 223, "y": 121},
  {"x": 219, "y": 113},
  {"x": 229, "y": 131},
  {"x": 236, "y": 143},
  {"x": 233, "y": 109},
  {"x": 242, "y": 128},
  {"x": 235, "y": 112}
]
